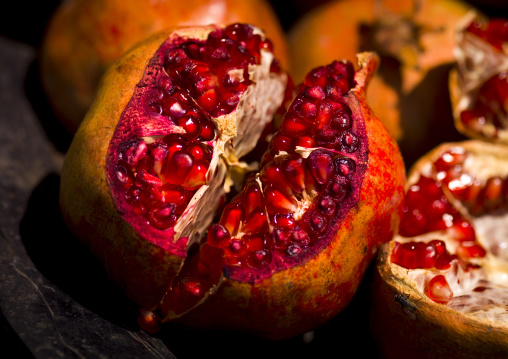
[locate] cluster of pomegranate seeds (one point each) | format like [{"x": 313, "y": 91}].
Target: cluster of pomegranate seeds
[
  {"x": 428, "y": 208},
  {"x": 215, "y": 72},
  {"x": 284, "y": 211},
  {"x": 158, "y": 176},
  {"x": 491, "y": 106}
]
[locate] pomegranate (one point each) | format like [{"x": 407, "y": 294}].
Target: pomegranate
[
  {"x": 145, "y": 172},
  {"x": 415, "y": 40},
  {"x": 149, "y": 165},
  {"x": 479, "y": 84},
  {"x": 440, "y": 287},
  {"x": 301, "y": 233},
  {"x": 84, "y": 37}
]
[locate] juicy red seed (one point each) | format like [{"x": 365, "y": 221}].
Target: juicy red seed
[
  {"x": 470, "y": 250},
  {"x": 280, "y": 237},
  {"x": 191, "y": 286},
  {"x": 326, "y": 206},
  {"x": 274, "y": 175},
  {"x": 300, "y": 236},
  {"x": 293, "y": 126},
  {"x": 279, "y": 142},
  {"x": 259, "y": 258},
  {"x": 149, "y": 321},
  {"x": 439, "y": 290},
  {"x": 349, "y": 142},
  {"x": 315, "y": 92},
  {"x": 317, "y": 223},
  {"x": 294, "y": 249},
  {"x": 277, "y": 202},
  {"x": 207, "y": 131},
  {"x": 132, "y": 151},
  {"x": 302, "y": 141},
  {"x": 232, "y": 215},
  {"x": 284, "y": 220},
  {"x": 306, "y": 110},
  {"x": 449, "y": 159},
  {"x": 178, "y": 167},
  {"x": 339, "y": 188},
  {"x": 196, "y": 177},
  {"x": 163, "y": 217},
  {"x": 341, "y": 121},
  {"x": 293, "y": 170},
  {"x": 344, "y": 166},
  {"x": 321, "y": 166},
  {"x": 256, "y": 222},
  {"x": 252, "y": 197},
  {"x": 218, "y": 236}
]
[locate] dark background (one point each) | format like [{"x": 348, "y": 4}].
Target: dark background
[{"x": 55, "y": 300}]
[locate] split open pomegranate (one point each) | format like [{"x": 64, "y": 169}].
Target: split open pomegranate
[
  {"x": 479, "y": 85},
  {"x": 449, "y": 260},
  {"x": 147, "y": 169}
]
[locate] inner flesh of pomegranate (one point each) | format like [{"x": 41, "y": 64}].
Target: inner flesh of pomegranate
[
  {"x": 162, "y": 155},
  {"x": 452, "y": 221},
  {"x": 291, "y": 209},
  {"x": 488, "y": 112}
]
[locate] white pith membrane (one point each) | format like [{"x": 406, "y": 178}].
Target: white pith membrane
[
  {"x": 477, "y": 61},
  {"x": 480, "y": 292}
]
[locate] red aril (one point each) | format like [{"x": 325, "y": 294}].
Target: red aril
[{"x": 449, "y": 259}]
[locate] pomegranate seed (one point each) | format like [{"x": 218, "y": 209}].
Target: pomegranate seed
[
  {"x": 293, "y": 126},
  {"x": 149, "y": 321},
  {"x": 191, "y": 286},
  {"x": 178, "y": 167},
  {"x": 470, "y": 250},
  {"x": 295, "y": 174},
  {"x": 277, "y": 202},
  {"x": 326, "y": 206},
  {"x": 300, "y": 236},
  {"x": 218, "y": 236},
  {"x": 320, "y": 166},
  {"x": 256, "y": 222},
  {"x": 232, "y": 216},
  {"x": 284, "y": 220},
  {"x": 252, "y": 197},
  {"x": 439, "y": 290},
  {"x": 196, "y": 176}
]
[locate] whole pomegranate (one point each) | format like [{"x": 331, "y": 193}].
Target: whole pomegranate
[
  {"x": 149, "y": 165},
  {"x": 84, "y": 37},
  {"x": 415, "y": 40},
  {"x": 440, "y": 288},
  {"x": 479, "y": 84}
]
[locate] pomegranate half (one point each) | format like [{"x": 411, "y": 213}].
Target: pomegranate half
[
  {"x": 440, "y": 288},
  {"x": 148, "y": 167},
  {"x": 479, "y": 84},
  {"x": 146, "y": 170},
  {"x": 84, "y": 37}
]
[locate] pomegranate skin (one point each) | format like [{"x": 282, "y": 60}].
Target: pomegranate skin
[
  {"x": 300, "y": 298},
  {"x": 84, "y": 37},
  {"x": 418, "y": 327},
  {"x": 142, "y": 268}
]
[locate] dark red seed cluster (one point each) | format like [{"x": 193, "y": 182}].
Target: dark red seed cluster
[
  {"x": 197, "y": 80},
  {"x": 266, "y": 220},
  {"x": 427, "y": 208},
  {"x": 215, "y": 72},
  {"x": 412, "y": 255},
  {"x": 160, "y": 178},
  {"x": 490, "y": 106}
]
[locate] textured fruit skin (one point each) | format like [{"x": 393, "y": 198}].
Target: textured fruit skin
[
  {"x": 84, "y": 37},
  {"x": 298, "y": 299},
  {"x": 437, "y": 331},
  {"x": 409, "y": 94}
]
